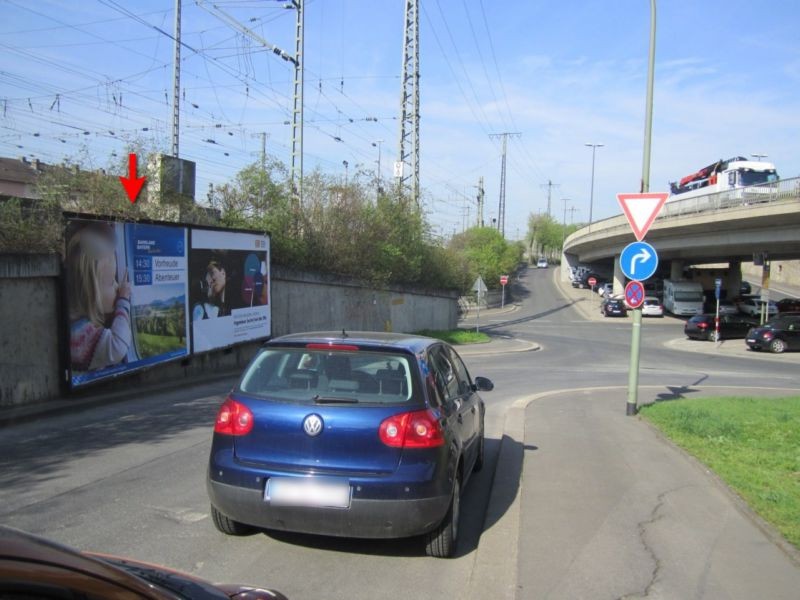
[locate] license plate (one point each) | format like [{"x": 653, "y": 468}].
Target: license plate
[
  {"x": 323, "y": 492},
  {"x": 750, "y": 341}
]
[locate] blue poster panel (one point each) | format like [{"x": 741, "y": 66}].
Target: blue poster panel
[
  {"x": 229, "y": 299},
  {"x": 126, "y": 294}
]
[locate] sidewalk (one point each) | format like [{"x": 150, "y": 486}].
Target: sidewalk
[{"x": 587, "y": 502}]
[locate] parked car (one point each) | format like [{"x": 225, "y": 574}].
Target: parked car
[
  {"x": 541, "y": 263},
  {"x": 652, "y": 307},
  {"x": 777, "y": 335},
  {"x": 726, "y": 307},
  {"x": 371, "y": 435},
  {"x": 788, "y": 305},
  {"x": 703, "y": 327},
  {"x": 753, "y": 307},
  {"x": 613, "y": 307},
  {"x": 605, "y": 289},
  {"x": 34, "y": 567}
]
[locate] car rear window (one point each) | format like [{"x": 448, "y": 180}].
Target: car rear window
[{"x": 320, "y": 376}]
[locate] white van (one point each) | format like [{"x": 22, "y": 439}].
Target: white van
[{"x": 683, "y": 298}]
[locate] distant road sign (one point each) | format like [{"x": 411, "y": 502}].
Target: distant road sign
[
  {"x": 634, "y": 294},
  {"x": 503, "y": 279},
  {"x": 592, "y": 281},
  {"x": 479, "y": 286},
  {"x": 638, "y": 261},
  {"x": 641, "y": 210}
]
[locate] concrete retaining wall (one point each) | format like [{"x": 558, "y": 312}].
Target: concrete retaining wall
[{"x": 31, "y": 347}]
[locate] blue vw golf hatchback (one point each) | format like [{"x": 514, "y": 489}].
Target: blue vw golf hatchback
[{"x": 370, "y": 435}]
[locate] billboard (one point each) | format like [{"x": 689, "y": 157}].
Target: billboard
[
  {"x": 229, "y": 288},
  {"x": 126, "y": 295}
]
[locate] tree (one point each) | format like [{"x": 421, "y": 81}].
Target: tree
[{"x": 486, "y": 253}]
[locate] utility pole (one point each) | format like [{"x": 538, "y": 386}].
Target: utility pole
[
  {"x": 377, "y": 144},
  {"x": 409, "y": 105},
  {"x": 176, "y": 82},
  {"x": 572, "y": 215},
  {"x": 480, "y": 201},
  {"x": 263, "y": 135},
  {"x": 297, "y": 61},
  {"x": 564, "y": 225},
  {"x": 501, "y": 216},
  {"x": 550, "y": 185}
]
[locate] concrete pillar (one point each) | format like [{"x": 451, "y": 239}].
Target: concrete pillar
[
  {"x": 619, "y": 278},
  {"x": 734, "y": 278},
  {"x": 676, "y": 270}
]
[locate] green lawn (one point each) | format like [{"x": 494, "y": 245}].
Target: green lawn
[
  {"x": 457, "y": 336},
  {"x": 753, "y": 444}
]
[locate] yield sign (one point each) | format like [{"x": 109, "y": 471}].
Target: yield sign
[{"x": 641, "y": 210}]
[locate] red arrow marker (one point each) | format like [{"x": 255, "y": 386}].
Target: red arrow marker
[{"x": 131, "y": 183}]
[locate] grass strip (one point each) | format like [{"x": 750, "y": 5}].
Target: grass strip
[
  {"x": 457, "y": 336},
  {"x": 753, "y": 444}
]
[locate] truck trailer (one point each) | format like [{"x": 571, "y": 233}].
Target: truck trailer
[{"x": 734, "y": 173}]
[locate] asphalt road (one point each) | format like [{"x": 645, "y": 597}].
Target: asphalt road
[{"x": 563, "y": 509}]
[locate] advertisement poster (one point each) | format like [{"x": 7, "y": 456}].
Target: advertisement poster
[
  {"x": 229, "y": 288},
  {"x": 126, "y": 294}
]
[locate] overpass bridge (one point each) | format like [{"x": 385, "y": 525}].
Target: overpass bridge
[{"x": 724, "y": 227}]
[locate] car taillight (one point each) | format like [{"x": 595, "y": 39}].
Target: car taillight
[
  {"x": 418, "y": 429},
  {"x": 702, "y": 325},
  {"x": 767, "y": 335},
  {"x": 233, "y": 418}
]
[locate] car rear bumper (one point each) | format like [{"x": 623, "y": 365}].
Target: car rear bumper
[{"x": 365, "y": 518}]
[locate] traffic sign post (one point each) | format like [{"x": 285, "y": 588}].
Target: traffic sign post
[
  {"x": 479, "y": 287},
  {"x": 503, "y": 282},
  {"x": 639, "y": 261}
]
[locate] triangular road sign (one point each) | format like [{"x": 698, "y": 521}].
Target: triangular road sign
[{"x": 641, "y": 210}]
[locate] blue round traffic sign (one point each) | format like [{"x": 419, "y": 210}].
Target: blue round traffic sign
[{"x": 638, "y": 261}]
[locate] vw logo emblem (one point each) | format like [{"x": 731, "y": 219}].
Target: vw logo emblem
[{"x": 312, "y": 425}]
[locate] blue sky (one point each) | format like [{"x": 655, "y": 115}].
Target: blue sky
[{"x": 561, "y": 74}]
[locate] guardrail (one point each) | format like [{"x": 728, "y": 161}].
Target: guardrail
[{"x": 783, "y": 189}]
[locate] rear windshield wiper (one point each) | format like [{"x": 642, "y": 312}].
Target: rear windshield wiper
[{"x": 330, "y": 400}]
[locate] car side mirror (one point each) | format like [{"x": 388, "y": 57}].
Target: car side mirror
[{"x": 482, "y": 384}]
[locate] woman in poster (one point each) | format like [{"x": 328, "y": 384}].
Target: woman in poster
[{"x": 218, "y": 300}]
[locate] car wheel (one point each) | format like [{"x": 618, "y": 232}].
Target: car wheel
[
  {"x": 713, "y": 336},
  {"x": 227, "y": 525},
  {"x": 441, "y": 542},
  {"x": 777, "y": 346}
]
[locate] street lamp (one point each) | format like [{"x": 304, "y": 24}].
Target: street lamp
[
  {"x": 759, "y": 156},
  {"x": 564, "y": 227},
  {"x": 594, "y": 148}
]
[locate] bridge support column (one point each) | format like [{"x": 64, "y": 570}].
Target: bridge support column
[
  {"x": 619, "y": 278},
  {"x": 676, "y": 270},
  {"x": 734, "y": 282}
]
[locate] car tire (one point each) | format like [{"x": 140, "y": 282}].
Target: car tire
[
  {"x": 777, "y": 346},
  {"x": 441, "y": 542},
  {"x": 227, "y": 525}
]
